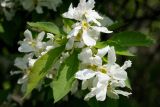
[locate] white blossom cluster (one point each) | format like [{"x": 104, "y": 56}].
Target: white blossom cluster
[
  {"x": 33, "y": 49},
  {"x": 100, "y": 78},
  {"x": 9, "y": 7}
]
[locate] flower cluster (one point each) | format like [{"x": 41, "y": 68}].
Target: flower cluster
[
  {"x": 9, "y": 7},
  {"x": 86, "y": 30},
  {"x": 33, "y": 49},
  {"x": 102, "y": 77}
]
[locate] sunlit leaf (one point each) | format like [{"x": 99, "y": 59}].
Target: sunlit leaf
[
  {"x": 45, "y": 26},
  {"x": 62, "y": 85},
  {"x": 41, "y": 68}
]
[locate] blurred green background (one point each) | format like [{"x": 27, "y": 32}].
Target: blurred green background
[{"x": 131, "y": 15}]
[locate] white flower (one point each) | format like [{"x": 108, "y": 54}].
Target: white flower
[
  {"x": 87, "y": 57},
  {"x": 22, "y": 63},
  {"x": 83, "y": 30},
  {"x": 84, "y": 9},
  {"x": 100, "y": 89},
  {"x": 102, "y": 79},
  {"x": 35, "y": 46}
]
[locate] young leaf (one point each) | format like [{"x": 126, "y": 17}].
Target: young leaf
[
  {"x": 130, "y": 38},
  {"x": 41, "y": 66},
  {"x": 45, "y": 26},
  {"x": 62, "y": 85}
]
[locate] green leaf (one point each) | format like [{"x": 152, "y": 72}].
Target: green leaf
[
  {"x": 128, "y": 85},
  {"x": 45, "y": 26},
  {"x": 67, "y": 25},
  {"x": 41, "y": 67},
  {"x": 115, "y": 26},
  {"x": 130, "y": 38},
  {"x": 1, "y": 28},
  {"x": 122, "y": 41},
  {"x": 62, "y": 85}
]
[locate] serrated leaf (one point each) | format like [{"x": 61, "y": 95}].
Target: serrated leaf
[
  {"x": 45, "y": 26},
  {"x": 130, "y": 38},
  {"x": 62, "y": 85},
  {"x": 41, "y": 67}
]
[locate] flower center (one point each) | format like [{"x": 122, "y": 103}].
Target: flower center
[
  {"x": 102, "y": 69},
  {"x": 85, "y": 25}
]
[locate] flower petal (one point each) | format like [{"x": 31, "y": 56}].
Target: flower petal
[
  {"x": 70, "y": 44},
  {"x": 85, "y": 55},
  {"x": 85, "y": 74},
  {"x": 111, "y": 56},
  {"x": 96, "y": 60},
  {"x": 28, "y": 35},
  {"x": 102, "y": 52},
  {"x": 126, "y": 65},
  {"x": 124, "y": 93},
  {"x": 40, "y": 36},
  {"x": 88, "y": 40},
  {"x": 101, "y": 29},
  {"x": 101, "y": 93}
]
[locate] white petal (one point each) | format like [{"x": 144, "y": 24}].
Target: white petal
[
  {"x": 23, "y": 79},
  {"x": 112, "y": 94},
  {"x": 96, "y": 60},
  {"x": 74, "y": 32},
  {"x": 101, "y": 94},
  {"x": 120, "y": 75},
  {"x": 25, "y": 47},
  {"x": 101, "y": 29},
  {"x": 92, "y": 16},
  {"x": 79, "y": 44},
  {"x": 85, "y": 74},
  {"x": 70, "y": 12},
  {"x": 111, "y": 56},
  {"x": 21, "y": 63},
  {"x": 28, "y": 35},
  {"x": 39, "y": 9},
  {"x": 124, "y": 93},
  {"x": 117, "y": 83},
  {"x": 50, "y": 36},
  {"x": 102, "y": 52},
  {"x": 70, "y": 44},
  {"x": 88, "y": 40},
  {"x": 31, "y": 62},
  {"x": 85, "y": 55},
  {"x": 40, "y": 36},
  {"x": 127, "y": 64},
  {"x": 91, "y": 94},
  {"x": 103, "y": 78},
  {"x": 84, "y": 84}
]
